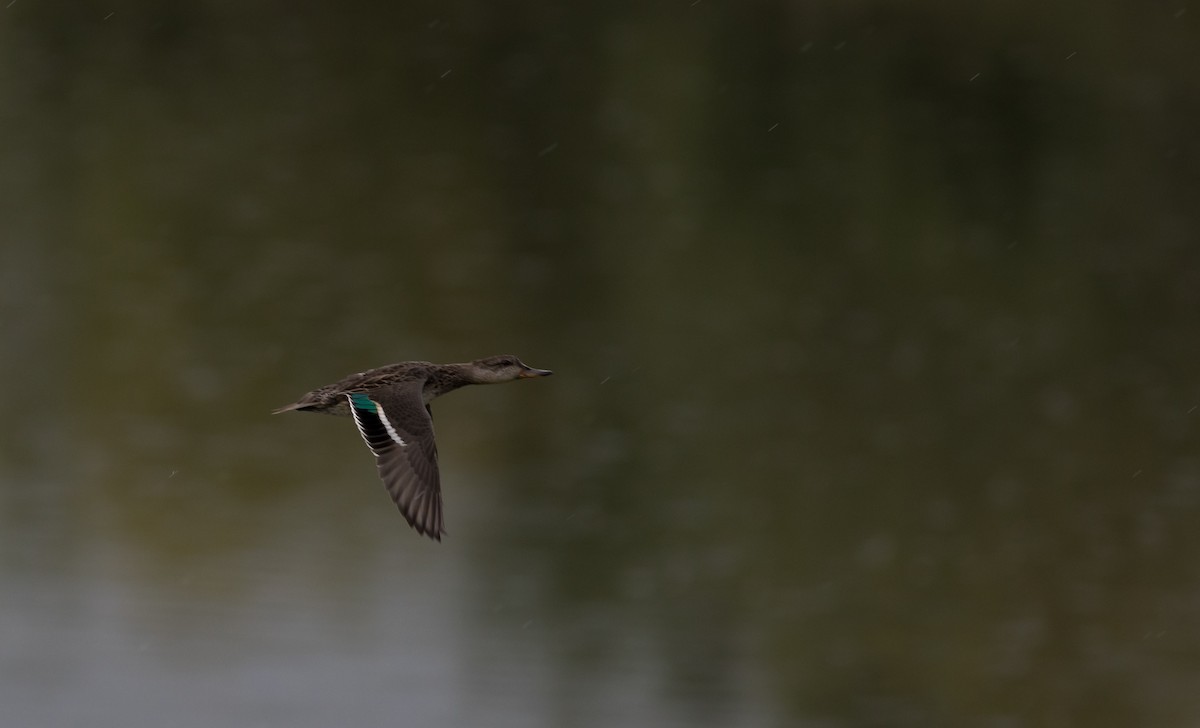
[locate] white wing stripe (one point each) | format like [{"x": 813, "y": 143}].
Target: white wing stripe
[{"x": 390, "y": 430}]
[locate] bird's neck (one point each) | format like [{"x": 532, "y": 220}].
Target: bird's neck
[{"x": 443, "y": 379}]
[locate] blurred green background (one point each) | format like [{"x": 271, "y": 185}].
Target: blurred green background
[{"x": 875, "y": 328}]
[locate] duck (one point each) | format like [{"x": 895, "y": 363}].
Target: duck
[{"x": 390, "y": 406}]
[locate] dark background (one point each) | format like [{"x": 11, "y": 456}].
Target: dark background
[{"x": 874, "y": 324}]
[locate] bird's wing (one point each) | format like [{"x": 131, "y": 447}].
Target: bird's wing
[{"x": 398, "y": 428}]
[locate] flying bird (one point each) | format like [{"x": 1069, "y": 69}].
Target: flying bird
[{"x": 390, "y": 405}]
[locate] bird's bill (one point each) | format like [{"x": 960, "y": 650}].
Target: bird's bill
[{"x": 530, "y": 372}]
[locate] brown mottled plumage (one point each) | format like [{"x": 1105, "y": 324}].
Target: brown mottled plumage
[{"x": 390, "y": 405}]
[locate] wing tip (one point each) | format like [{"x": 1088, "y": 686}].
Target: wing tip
[
  {"x": 427, "y": 518},
  {"x": 434, "y": 533}
]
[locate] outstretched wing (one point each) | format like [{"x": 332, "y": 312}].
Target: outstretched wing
[{"x": 398, "y": 428}]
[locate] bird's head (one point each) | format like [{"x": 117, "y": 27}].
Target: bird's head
[{"x": 501, "y": 368}]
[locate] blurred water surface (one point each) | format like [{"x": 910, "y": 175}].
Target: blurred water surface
[{"x": 875, "y": 331}]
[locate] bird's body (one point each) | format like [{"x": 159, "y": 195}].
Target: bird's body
[{"x": 390, "y": 405}]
